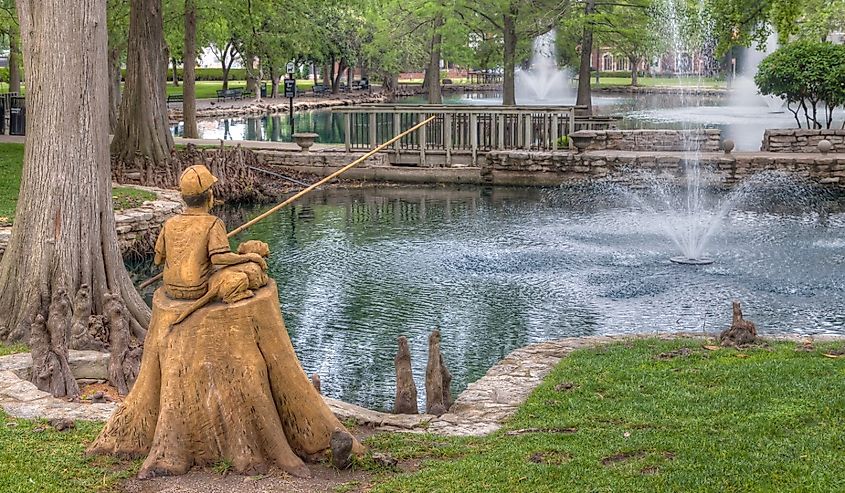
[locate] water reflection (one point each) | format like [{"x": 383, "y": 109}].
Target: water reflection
[
  {"x": 498, "y": 268},
  {"x": 744, "y": 124}
]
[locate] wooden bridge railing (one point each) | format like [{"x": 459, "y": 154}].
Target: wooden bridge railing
[{"x": 465, "y": 130}]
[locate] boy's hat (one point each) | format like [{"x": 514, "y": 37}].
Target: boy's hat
[{"x": 195, "y": 180}]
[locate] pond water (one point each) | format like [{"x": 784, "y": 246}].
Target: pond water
[
  {"x": 744, "y": 121},
  {"x": 499, "y": 268}
]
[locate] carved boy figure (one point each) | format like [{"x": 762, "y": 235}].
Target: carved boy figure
[{"x": 195, "y": 250}]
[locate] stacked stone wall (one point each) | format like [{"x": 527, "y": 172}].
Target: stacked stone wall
[
  {"x": 525, "y": 168},
  {"x": 137, "y": 228},
  {"x": 802, "y": 140},
  {"x": 702, "y": 140}
]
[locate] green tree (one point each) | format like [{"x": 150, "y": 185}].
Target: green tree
[
  {"x": 810, "y": 76},
  {"x": 516, "y": 23}
]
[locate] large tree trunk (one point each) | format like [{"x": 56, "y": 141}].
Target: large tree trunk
[
  {"x": 115, "y": 78},
  {"x": 275, "y": 76},
  {"x": 508, "y": 86},
  {"x": 634, "y": 70},
  {"x": 14, "y": 64},
  {"x": 175, "y": 66},
  {"x": 143, "y": 128},
  {"x": 584, "y": 90},
  {"x": 432, "y": 71},
  {"x": 64, "y": 231},
  {"x": 227, "y": 65},
  {"x": 189, "y": 90},
  {"x": 251, "y": 78}
]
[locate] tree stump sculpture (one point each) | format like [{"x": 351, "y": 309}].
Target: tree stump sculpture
[
  {"x": 741, "y": 332},
  {"x": 406, "y": 389},
  {"x": 438, "y": 380},
  {"x": 224, "y": 383}
]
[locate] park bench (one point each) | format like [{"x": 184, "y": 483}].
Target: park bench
[
  {"x": 320, "y": 89},
  {"x": 175, "y": 98},
  {"x": 229, "y": 94},
  {"x": 247, "y": 94}
]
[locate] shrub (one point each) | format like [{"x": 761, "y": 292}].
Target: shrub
[
  {"x": 810, "y": 76},
  {"x": 207, "y": 74}
]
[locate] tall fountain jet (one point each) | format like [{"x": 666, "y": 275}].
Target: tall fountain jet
[
  {"x": 544, "y": 83},
  {"x": 744, "y": 89}
]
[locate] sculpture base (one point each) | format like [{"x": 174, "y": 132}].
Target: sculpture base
[{"x": 224, "y": 385}]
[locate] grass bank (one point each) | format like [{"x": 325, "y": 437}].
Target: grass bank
[
  {"x": 644, "y": 416},
  {"x": 654, "y": 416},
  {"x": 35, "y": 458},
  {"x": 11, "y": 166}
]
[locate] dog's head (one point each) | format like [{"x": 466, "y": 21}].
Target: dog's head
[{"x": 254, "y": 246}]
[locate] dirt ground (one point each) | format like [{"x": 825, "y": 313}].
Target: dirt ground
[{"x": 324, "y": 479}]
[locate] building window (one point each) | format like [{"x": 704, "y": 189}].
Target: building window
[{"x": 607, "y": 62}]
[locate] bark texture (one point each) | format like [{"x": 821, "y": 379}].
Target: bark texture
[
  {"x": 64, "y": 231},
  {"x": 432, "y": 72},
  {"x": 584, "y": 97},
  {"x": 143, "y": 130},
  {"x": 189, "y": 89},
  {"x": 438, "y": 380},
  {"x": 741, "y": 332},
  {"x": 115, "y": 78},
  {"x": 406, "y": 389},
  {"x": 510, "y": 39},
  {"x": 48, "y": 340},
  {"x": 224, "y": 385},
  {"x": 14, "y": 65}
]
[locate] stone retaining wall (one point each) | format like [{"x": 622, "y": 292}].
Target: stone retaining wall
[
  {"x": 802, "y": 140},
  {"x": 703, "y": 140},
  {"x": 137, "y": 228},
  {"x": 551, "y": 168}
]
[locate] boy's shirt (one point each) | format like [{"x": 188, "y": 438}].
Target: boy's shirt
[{"x": 186, "y": 243}]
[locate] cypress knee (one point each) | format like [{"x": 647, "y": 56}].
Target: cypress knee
[{"x": 406, "y": 389}]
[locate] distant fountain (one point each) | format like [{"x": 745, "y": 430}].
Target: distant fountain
[
  {"x": 744, "y": 89},
  {"x": 543, "y": 82}
]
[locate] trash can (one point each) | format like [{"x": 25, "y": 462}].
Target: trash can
[
  {"x": 264, "y": 90},
  {"x": 17, "y": 116}
]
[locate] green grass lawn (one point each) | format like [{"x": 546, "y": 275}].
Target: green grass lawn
[
  {"x": 208, "y": 89},
  {"x": 34, "y": 458},
  {"x": 720, "y": 421},
  {"x": 644, "y": 416},
  {"x": 6, "y": 349},
  {"x": 205, "y": 89},
  {"x": 11, "y": 165},
  {"x": 705, "y": 82}
]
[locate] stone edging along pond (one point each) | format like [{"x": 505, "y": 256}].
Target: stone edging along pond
[
  {"x": 138, "y": 227},
  {"x": 479, "y": 410}
]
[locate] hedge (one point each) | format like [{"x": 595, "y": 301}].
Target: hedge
[{"x": 206, "y": 74}]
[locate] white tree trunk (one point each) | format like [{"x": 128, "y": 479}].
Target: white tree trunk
[{"x": 64, "y": 231}]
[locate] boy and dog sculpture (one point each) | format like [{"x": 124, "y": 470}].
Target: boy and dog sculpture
[{"x": 219, "y": 381}]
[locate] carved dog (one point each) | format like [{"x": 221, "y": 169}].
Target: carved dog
[{"x": 235, "y": 282}]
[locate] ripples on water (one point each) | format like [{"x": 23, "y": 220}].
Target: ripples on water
[{"x": 496, "y": 269}]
